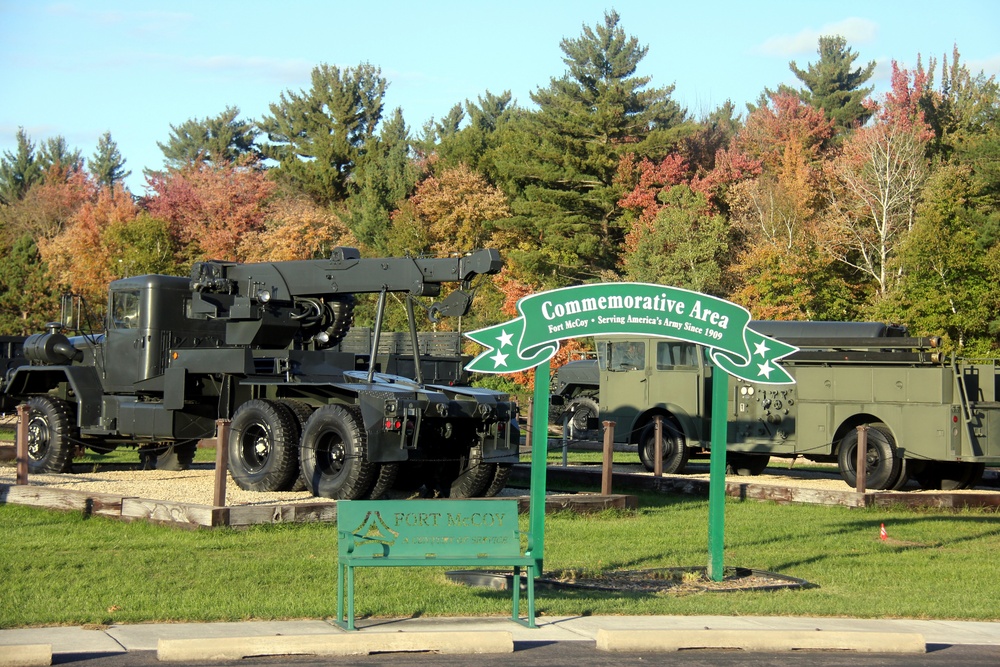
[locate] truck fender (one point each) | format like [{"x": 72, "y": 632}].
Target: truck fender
[{"x": 82, "y": 380}]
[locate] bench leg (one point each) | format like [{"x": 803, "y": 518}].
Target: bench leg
[{"x": 530, "y": 574}]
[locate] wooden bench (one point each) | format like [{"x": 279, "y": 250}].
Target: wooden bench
[{"x": 431, "y": 533}]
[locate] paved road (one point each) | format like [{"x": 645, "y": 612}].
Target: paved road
[{"x": 579, "y": 654}]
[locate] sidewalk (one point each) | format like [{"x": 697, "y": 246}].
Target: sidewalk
[{"x": 180, "y": 641}]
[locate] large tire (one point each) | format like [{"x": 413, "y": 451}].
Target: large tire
[
  {"x": 172, "y": 456},
  {"x": 386, "y": 478},
  {"x": 740, "y": 463},
  {"x": 499, "y": 481},
  {"x": 883, "y": 465},
  {"x": 301, "y": 411},
  {"x": 333, "y": 454},
  {"x": 675, "y": 451},
  {"x": 474, "y": 479},
  {"x": 580, "y": 409},
  {"x": 51, "y": 435},
  {"x": 949, "y": 475},
  {"x": 262, "y": 446}
]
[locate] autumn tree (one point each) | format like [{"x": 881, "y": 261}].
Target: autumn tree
[
  {"x": 559, "y": 164},
  {"x": 107, "y": 165},
  {"x": 295, "y": 227},
  {"x": 319, "y": 136},
  {"x": 210, "y": 209},
  {"x": 216, "y": 140},
  {"x": 79, "y": 257},
  {"x": 46, "y": 207}
]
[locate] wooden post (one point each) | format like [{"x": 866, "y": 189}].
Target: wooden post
[
  {"x": 609, "y": 450},
  {"x": 861, "y": 467},
  {"x": 658, "y": 448},
  {"x": 21, "y": 453},
  {"x": 221, "y": 461}
]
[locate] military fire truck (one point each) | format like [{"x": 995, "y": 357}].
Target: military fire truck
[
  {"x": 932, "y": 418},
  {"x": 256, "y": 344}
]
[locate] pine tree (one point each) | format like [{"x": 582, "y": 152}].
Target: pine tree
[
  {"x": 833, "y": 86},
  {"x": 216, "y": 140},
  {"x": 20, "y": 171},
  {"x": 319, "y": 136},
  {"x": 107, "y": 165},
  {"x": 55, "y": 153},
  {"x": 560, "y": 162}
]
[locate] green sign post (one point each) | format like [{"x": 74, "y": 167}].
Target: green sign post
[{"x": 530, "y": 341}]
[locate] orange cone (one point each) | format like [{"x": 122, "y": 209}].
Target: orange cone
[{"x": 882, "y": 534}]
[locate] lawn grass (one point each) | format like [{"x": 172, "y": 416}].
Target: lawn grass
[{"x": 66, "y": 568}]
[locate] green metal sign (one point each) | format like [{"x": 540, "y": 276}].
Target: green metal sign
[
  {"x": 630, "y": 308},
  {"x": 530, "y": 341}
]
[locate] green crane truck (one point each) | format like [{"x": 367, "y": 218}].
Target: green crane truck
[
  {"x": 257, "y": 344},
  {"x": 932, "y": 418}
]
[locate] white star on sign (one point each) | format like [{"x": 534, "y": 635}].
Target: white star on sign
[
  {"x": 505, "y": 338},
  {"x": 765, "y": 370},
  {"x": 761, "y": 348},
  {"x": 499, "y": 359}
]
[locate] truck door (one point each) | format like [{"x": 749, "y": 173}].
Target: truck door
[
  {"x": 624, "y": 371},
  {"x": 676, "y": 383},
  {"x": 123, "y": 343}
]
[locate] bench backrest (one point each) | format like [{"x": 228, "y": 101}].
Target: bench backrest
[{"x": 428, "y": 528}]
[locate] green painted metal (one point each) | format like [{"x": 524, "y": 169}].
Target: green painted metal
[
  {"x": 431, "y": 533},
  {"x": 539, "y": 462},
  {"x": 717, "y": 477}
]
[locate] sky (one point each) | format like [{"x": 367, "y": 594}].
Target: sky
[{"x": 80, "y": 68}]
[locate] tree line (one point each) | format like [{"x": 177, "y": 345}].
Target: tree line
[{"x": 820, "y": 202}]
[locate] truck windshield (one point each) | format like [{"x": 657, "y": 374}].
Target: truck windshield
[{"x": 621, "y": 355}]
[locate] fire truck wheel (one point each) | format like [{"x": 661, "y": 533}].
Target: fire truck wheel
[
  {"x": 948, "y": 475},
  {"x": 675, "y": 452},
  {"x": 51, "y": 432},
  {"x": 262, "y": 442},
  {"x": 333, "y": 454},
  {"x": 882, "y": 464}
]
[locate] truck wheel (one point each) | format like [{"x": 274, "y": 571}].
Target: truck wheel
[
  {"x": 739, "y": 463},
  {"x": 949, "y": 475},
  {"x": 333, "y": 452},
  {"x": 580, "y": 410},
  {"x": 473, "y": 481},
  {"x": 173, "y": 456},
  {"x": 882, "y": 464},
  {"x": 675, "y": 453},
  {"x": 262, "y": 442},
  {"x": 51, "y": 433},
  {"x": 386, "y": 478},
  {"x": 301, "y": 411},
  {"x": 499, "y": 482}
]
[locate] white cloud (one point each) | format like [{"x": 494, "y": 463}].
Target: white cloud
[
  {"x": 989, "y": 66},
  {"x": 854, "y": 30}
]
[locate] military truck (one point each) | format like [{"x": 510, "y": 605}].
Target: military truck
[
  {"x": 256, "y": 344},
  {"x": 932, "y": 418}
]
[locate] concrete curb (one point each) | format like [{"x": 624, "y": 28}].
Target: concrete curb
[
  {"x": 26, "y": 655},
  {"x": 238, "y": 648},
  {"x": 766, "y": 640}
]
